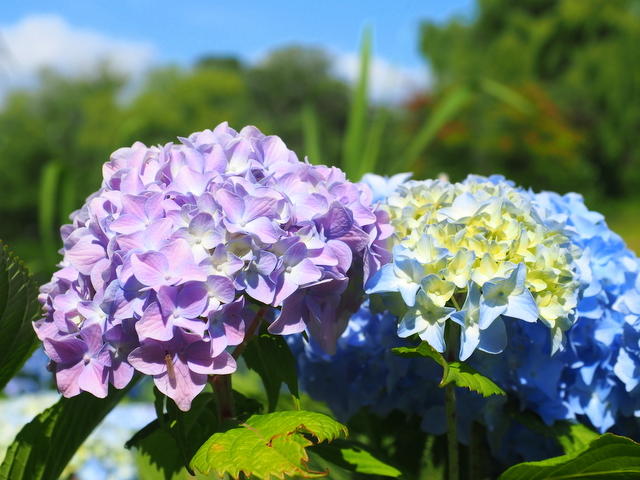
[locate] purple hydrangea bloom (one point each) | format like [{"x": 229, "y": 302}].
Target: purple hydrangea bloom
[{"x": 165, "y": 264}]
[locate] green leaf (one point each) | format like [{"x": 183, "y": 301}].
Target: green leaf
[
  {"x": 468, "y": 377},
  {"x": 607, "y": 457},
  {"x": 573, "y": 437},
  {"x": 310, "y": 134},
  {"x": 43, "y": 447},
  {"x": 443, "y": 113},
  {"x": 458, "y": 373},
  {"x": 18, "y": 308},
  {"x": 570, "y": 436},
  {"x": 163, "y": 444},
  {"x": 266, "y": 446},
  {"x": 270, "y": 357},
  {"x": 355, "y": 458},
  {"x": 357, "y": 119}
]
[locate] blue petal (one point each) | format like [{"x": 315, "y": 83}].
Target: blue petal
[
  {"x": 489, "y": 312},
  {"x": 383, "y": 281},
  {"x": 410, "y": 324},
  {"x": 493, "y": 339},
  {"x": 434, "y": 336},
  {"x": 523, "y": 306}
]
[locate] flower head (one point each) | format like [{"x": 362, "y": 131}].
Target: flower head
[
  {"x": 162, "y": 266},
  {"x": 481, "y": 244}
]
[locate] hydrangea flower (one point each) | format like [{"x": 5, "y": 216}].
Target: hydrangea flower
[
  {"x": 476, "y": 253},
  {"x": 162, "y": 265},
  {"x": 594, "y": 379},
  {"x": 597, "y": 375}
]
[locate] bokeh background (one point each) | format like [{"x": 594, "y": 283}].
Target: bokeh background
[{"x": 546, "y": 92}]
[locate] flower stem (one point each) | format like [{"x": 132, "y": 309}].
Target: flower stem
[
  {"x": 222, "y": 383},
  {"x": 450, "y": 406},
  {"x": 224, "y": 397},
  {"x": 257, "y": 320},
  {"x": 452, "y": 434}
]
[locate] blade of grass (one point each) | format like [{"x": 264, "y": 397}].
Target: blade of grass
[
  {"x": 374, "y": 141},
  {"x": 310, "y": 134},
  {"x": 507, "y": 95},
  {"x": 444, "y": 112},
  {"x": 354, "y": 136},
  {"x": 47, "y": 209}
]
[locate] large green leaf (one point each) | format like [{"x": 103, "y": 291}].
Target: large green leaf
[
  {"x": 607, "y": 457},
  {"x": 18, "y": 308},
  {"x": 356, "y": 123},
  {"x": 355, "y": 458},
  {"x": 458, "y": 373},
  {"x": 43, "y": 447},
  {"x": 271, "y": 358},
  {"x": 266, "y": 446}
]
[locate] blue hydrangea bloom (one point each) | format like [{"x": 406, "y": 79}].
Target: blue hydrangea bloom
[
  {"x": 594, "y": 379},
  {"x": 596, "y": 376}
]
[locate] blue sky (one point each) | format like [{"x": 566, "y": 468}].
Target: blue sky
[{"x": 169, "y": 31}]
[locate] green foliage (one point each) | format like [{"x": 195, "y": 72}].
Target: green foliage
[
  {"x": 354, "y": 457},
  {"x": 43, "y": 447},
  {"x": 571, "y": 61},
  {"x": 570, "y": 436},
  {"x": 458, "y": 373},
  {"x": 166, "y": 445},
  {"x": 18, "y": 308},
  {"x": 608, "y": 456},
  {"x": 266, "y": 446},
  {"x": 270, "y": 357}
]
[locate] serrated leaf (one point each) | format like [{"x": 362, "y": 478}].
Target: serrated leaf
[
  {"x": 43, "y": 447},
  {"x": 270, "y": 357},
  {"x": 466, "y": 376},
  {"x": 268, "y": 446},
  {"x": 458, "y": 373},
  {"x": 18, "y": 308},
  {"x": 355, "y": 458},
  {"x": 607, "y": 457}
]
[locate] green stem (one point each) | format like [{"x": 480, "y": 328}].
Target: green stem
[
  {"x": 224, "y": 397},
  {"x": 452, "y": 434},
  {"x": 450, "y": 406}
]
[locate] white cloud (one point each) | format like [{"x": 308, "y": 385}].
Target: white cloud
[
  {"x": 387, "y": 82},
  {"x": 39, "y": 41}
]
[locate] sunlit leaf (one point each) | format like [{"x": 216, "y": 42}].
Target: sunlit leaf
[
  {"x": 266, "y": 446},
  {"x": 607, "y": 457},
  {"x": 458, "y": 373}
]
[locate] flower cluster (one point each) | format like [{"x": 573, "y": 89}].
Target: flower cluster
[
  {"x": 162, "y": 263},
  {"x": 594, "y": 378},
  {"x": 483, "y": 243},
  {"x": 597, "y": 375}
]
